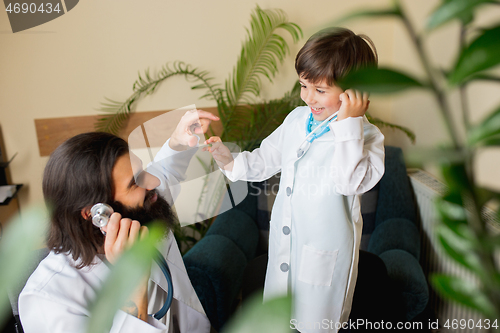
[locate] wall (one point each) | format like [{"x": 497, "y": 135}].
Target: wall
[{"x": 65, "y": 67}]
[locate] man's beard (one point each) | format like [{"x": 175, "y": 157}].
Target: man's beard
[{"x": 149, "y": 212}]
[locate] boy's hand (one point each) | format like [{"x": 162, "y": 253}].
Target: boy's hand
[
  {"x": 220, "y": 153},
  {"x": 193, "y": 122},
  {"x": 354, "y": 103}
]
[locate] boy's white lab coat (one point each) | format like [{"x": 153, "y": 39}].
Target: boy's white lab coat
[{"x": 316, "y": 223}]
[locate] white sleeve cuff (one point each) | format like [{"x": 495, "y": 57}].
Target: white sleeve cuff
[
  {"x": 348, "y": 129},
  {"x": 239, "y": 169}
]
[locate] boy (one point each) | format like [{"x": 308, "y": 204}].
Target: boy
[{"x": 328, "y": 154}]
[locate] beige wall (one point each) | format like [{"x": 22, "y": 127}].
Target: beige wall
[{"x": 65, "y": 67}]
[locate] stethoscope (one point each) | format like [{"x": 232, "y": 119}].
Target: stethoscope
[
  {"x": 101, "y": 213},
  {"x": 304, "y": 146}
]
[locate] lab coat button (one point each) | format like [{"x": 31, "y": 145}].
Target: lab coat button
[
  {"x": 286, "y": 230},
  {"x": 284, "y": 267},
  {"x": 288, "y": 191}
]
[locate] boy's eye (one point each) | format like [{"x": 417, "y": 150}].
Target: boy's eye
[
  {"x": 302, "y": 86},
  {"x": 320, "y": 91}
]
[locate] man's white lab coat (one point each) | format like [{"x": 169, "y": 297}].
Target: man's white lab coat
[
  {"x": 316, "y": 223},
  {"x": 57, "y": 296}
]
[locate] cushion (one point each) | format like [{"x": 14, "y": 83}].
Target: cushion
[
  {"x": 249, "y": 204},
  {"x": 395, "y": 233},
  {"x": 408, "y": 278},
  {"x": 395, "y": 197},
  {"x": 238, "y": 227},
  {"x": 368, "y": 211}
]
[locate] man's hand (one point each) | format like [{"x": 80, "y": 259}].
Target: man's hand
[
  {"x": 221, "y": 154},
  {"x": 120, "y": 235},
  {"x": 354, "y": 104},
  {"x": 193, "y": 122}
]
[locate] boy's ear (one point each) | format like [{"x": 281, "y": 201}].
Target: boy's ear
[{"x": 86, "y": 212}]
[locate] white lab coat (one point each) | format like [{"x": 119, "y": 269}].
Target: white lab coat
[
  {"x": 316, "y": 223},
  {"x": 57, "y": 296}
]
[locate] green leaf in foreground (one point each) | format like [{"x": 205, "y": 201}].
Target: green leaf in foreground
[
  {"x": 464, "y": 292},
  {"x": 454, "y": 9},
  {"x": 459, "y": 248},
  {"x": 488, "y": 129},
  {"x": 272, "y": 316},
  {"x": 369, "y": 13},
  {"x": 124, "y": 278},
  {"x": 379, "y": 81},
  {"x": 483, "y": 53},
  {"x": 23, "y": 235}
]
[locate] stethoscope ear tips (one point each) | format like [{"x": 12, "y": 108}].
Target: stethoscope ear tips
[{"x": 101, "y": 213}]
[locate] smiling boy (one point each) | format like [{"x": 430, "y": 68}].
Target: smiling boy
[{"x": 316, "y": 223}]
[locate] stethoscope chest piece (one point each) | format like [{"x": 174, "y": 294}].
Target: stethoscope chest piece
[{"x": 100, "y": 214}]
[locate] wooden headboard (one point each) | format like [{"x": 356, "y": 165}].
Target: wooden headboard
[{"x": 51, "y": 132}]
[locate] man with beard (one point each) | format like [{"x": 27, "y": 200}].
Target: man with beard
[{"x": 95, "y": 168}]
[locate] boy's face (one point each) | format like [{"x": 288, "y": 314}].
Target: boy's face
[{"x": 322, "y": 99}]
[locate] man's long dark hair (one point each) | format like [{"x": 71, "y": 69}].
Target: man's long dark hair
[{"x": 78, "y": 175}]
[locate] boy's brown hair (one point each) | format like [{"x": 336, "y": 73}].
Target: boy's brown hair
[{"x": 331, "y": 53}]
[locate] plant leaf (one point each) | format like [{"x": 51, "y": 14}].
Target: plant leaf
[
  {"x": 380, "y": 123},
  {"x": 21, "y": 238},
  {"x": 483, "y": 53},
  {"x": 454, "y": 9},
  {"x": 124, "y": 278},
  {"x": 272, "y": 316},
  {"x": 395, "y": 11},
  {"x": 260, "y": 55},
  {"x": 118, "y": 112},
  {"x": 459, "y": 248},
  {"x": 378, "y": 80},
  {"x": 488, "y": 129},
  {"x": 484, "y": 77},
  {"x": 463, "y": 292},
  {"x": 258, "y": 121}
]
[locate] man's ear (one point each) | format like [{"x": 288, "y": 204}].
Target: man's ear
[{"x": 86, "y": 213}]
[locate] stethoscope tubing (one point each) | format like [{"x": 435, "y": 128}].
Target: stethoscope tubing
[
  {"x": 304, "y": 146},
  {"x": 162, "y": 263}
]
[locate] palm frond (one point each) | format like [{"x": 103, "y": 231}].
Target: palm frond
[
  {"x": 380, "y": 123},
  {"x": 260, "y": 55},
  {"x": 116, "y": 113},
  {"x": 252, "y": 124}
]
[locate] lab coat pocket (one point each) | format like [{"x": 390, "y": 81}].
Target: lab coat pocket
[{"x": 317, "y": 266}]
